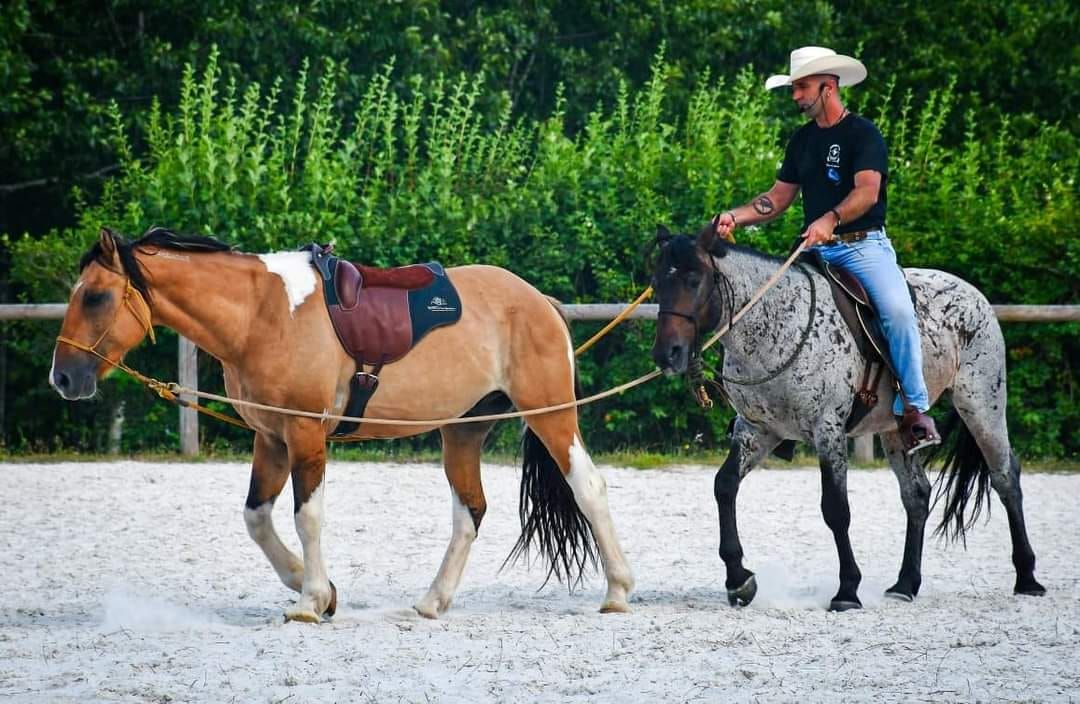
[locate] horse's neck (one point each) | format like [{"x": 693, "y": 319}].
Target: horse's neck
[
  {"x": 779, "y": 309},
  {"x": 208, "y": 298}
]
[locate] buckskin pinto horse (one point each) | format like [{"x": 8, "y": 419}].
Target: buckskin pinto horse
[
  {"x": 700, "y": 281},
  {"x": 264, "y": 318}
]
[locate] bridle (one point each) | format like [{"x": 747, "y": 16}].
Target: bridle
[
  {"x": 130, "y": 294},
  {"x": 715, "y": 290}
]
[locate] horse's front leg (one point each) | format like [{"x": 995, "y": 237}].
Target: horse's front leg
[
  {"x": 749, "y": 444},
  {"x": 831, "y": 444},
  {"x": 269, "y": 472},
  {"x": 307, "y": 463}
]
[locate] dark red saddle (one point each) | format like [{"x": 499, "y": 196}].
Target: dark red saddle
[{"x": 381, "y": 314}]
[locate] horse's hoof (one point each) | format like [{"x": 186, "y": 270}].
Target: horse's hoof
[
  {"x": 331, "y": 608},
  {"x": 895, "y": 593},
  {"x": 744, "y": 594},
  {"x": 302, "y": 615},
  {"x": 1032, "y": 588},
  {"x": 427, "y": 611},
  {"x": 615, "y": 607},
  {"x": 839, "y": 605}
]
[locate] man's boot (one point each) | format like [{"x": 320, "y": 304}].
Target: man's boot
[{"x": 917, "y": 430}]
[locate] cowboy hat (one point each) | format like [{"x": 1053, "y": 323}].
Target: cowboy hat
[{"x": 814, "y": 60}]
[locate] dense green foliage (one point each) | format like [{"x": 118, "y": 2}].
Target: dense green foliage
[{"x": 554, "y": 157}]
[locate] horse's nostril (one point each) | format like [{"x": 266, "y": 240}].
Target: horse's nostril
[{"x": 63, "y": 380}]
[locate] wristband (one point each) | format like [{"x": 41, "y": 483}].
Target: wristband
[{"x": 836, "y": 212}]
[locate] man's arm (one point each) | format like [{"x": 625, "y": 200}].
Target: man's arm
[
  {"x": 858, "y": 202},
  {"x": 765, "y": 207}
]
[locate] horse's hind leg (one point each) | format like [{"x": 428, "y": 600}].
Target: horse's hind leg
[
  {"x": 559, "y": 434},
  {"x": 915, "y": 494},
  {"x": 461, "y": 460},
  {"x": 982, "y": 408},
  {"x": 269, "y": 472},
  {"x": 749, "y": 444}
]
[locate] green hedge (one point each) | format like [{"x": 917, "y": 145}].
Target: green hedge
[{"x": 419, "y": 172}]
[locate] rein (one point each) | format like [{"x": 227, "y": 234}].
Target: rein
[
  {"x": 171, "y": 391},
  {"x": 798, "y": 348}
]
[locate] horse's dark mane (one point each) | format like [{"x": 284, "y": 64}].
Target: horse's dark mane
[{"x": 158, "y": 237}]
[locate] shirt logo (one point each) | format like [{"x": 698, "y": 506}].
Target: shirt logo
[
  {"x": 833, "y": 159},
  {"x": 832, "y": 164}
]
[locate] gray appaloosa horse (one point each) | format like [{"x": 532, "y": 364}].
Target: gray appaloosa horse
[{"x": 701, "y": 281}]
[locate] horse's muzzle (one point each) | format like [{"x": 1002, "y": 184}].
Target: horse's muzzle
[
  {"x": 672, "y": 358},
  {"x": 74, "y": 381}
]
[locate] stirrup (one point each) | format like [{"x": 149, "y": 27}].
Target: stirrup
[{"x": 917, "y": 431}]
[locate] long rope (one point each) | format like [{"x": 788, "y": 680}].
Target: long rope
[
  {"x": 172, "y": 391},
  {"x": 757, "y": 296},
  {"x": 618, "y": 319}
]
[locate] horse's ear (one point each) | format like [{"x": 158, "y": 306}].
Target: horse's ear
[
  {"x": 707, "y": 236},
  {"x": 662, "y": 234},
  {"x": 109, "y": 247}
]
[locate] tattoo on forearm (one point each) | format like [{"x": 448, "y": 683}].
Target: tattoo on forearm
[{"x": 764, "y": 205}]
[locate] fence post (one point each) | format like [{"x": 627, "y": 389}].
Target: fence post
[
  {"x": 189, "y": 377},
  {"x": 864, "y": 448}
]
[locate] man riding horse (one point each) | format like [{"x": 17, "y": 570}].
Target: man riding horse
[{"x": 838, "y": 160}]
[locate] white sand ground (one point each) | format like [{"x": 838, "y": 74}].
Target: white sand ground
[{"x": 133, "y": 581}]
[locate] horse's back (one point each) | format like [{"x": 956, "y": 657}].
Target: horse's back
[{"x": 952, "y": 308}]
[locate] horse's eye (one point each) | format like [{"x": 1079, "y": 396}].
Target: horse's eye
[
  {"x": 94, "y": 299},
  {"x": 693, "y": 280}
]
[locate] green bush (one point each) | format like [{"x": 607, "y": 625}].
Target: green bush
[{"x": 415, "y": 171}]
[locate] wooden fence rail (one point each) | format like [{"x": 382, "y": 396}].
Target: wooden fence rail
[{"x": 188, "y": 354}]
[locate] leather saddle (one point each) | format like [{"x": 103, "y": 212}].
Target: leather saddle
[
  {"x": 380, "y": 314},
  {"x": 858, "y": 312}
]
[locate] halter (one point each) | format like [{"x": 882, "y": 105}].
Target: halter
[
  {"x": 130, "y": 292},
  {"x": 715, "y": 289}
]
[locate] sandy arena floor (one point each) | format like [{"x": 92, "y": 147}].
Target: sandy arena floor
[{"x": 132, "y": 581}]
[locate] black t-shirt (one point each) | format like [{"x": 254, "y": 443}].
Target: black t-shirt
[{"x": 823, "y": 162}]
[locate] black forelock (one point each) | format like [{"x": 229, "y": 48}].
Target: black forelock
[{"x": 681, "y": 252}]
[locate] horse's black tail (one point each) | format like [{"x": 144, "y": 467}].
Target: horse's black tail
[
  {"x": 964, "y": 474},
  {"x": 550, "y": 517}
]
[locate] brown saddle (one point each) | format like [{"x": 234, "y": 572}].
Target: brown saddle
[
  {"x": 372, "y": 313},
  {"x": 381, "y": 314},
  {"x": 858, "y": 312}
]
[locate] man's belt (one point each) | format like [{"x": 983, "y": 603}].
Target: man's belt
[{"x": 851, "y": 237}]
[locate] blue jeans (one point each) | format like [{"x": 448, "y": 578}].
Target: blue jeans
[{"x": 873, "y": 262}]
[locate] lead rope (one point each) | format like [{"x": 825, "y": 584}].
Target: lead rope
[{"x": 172, "y": 391}]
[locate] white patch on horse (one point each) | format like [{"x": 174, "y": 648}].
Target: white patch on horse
[
  {"x": 590, "y": 492},
  {"x": 52, "y": 369},
  {"x": 295, "y": 271},
  {"x": 438, "y": 597},
  {"x": 315, "y": 593},
  {"x": 260, "y": 526}
]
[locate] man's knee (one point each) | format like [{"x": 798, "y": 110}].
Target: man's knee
[{"x": 896, "y": 312}]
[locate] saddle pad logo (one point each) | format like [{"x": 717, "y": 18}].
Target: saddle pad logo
[{"x": 438, "y": 304}]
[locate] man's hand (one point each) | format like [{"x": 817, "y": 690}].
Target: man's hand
[
  {"x": 821, "y": 230},
  {"x": 725, "y": 225}
]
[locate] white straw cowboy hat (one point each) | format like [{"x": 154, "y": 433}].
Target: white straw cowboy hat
[{"x": 814, "y": 60}]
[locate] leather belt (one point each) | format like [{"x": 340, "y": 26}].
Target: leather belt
[{"x": 851, "y": 237}]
